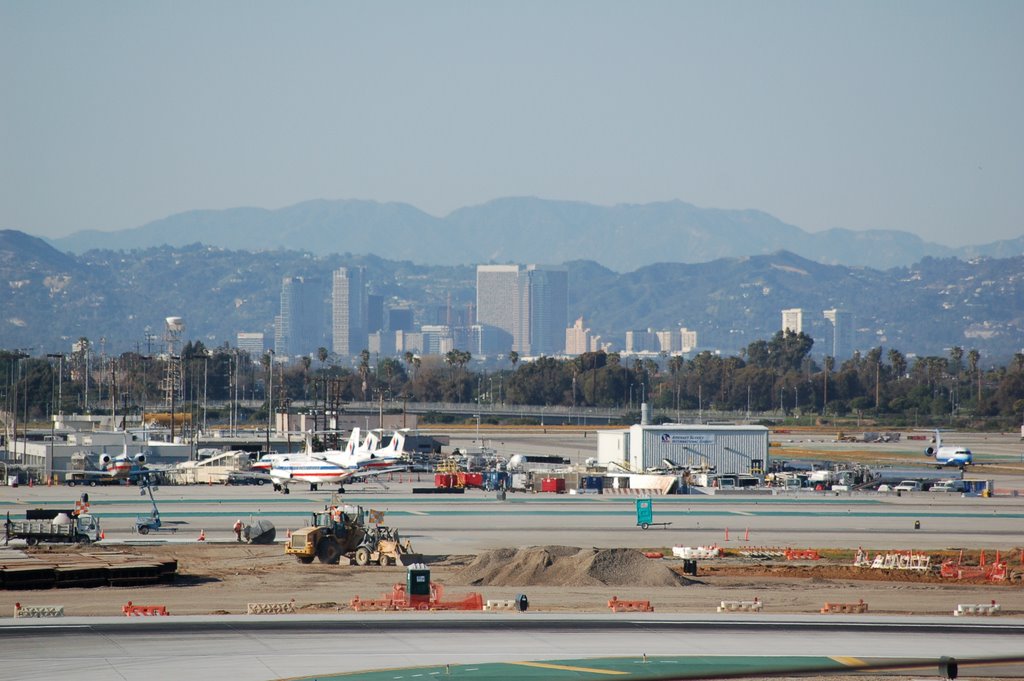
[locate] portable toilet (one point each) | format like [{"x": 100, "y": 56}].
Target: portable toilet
[
  {"x": 417, "y": 583},
  {"x": 644, "y": 513}
]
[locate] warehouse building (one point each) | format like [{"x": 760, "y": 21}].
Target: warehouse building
[{"x": 726, "y": 449}]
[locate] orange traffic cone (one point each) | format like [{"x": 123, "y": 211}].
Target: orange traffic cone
[
  {"x": 746, "y": 535},
  {"x": 727, "y": 534},
  {"x": 103, "y": 535},
  {"x": 202, "y": 535}
]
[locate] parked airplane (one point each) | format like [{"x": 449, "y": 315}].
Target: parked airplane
[
  {"x": 369, "y": 454},
  {"x": 336, "y": 466},
  {"x": 952, "y": 455},
  {"x": 290, "y": 469},
  {"x": 123, "y": 466}
]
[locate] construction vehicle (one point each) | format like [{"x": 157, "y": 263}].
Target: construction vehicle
[
  {"x": 80, "y": 529},
  {"x": 382, "y": 545},
  {"x": 144, "y": 524},
  {"x": 332, "y": 533}
]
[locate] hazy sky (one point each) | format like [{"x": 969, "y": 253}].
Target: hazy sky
[{"x": 896, "y": 115}]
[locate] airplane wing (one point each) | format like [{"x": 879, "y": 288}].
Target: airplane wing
[{"x": 364, "y": 473}]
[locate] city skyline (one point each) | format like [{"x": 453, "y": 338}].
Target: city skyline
[{"x": 862, "y": 116}]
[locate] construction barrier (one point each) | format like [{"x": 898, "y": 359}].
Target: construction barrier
[
  {"x": 629, "y": 606},
  {"x": 801, "y": 554},
  {"x": 858, "y": 607},
  {"x": 762, "y": 552},
  {"x": 702, "y": 552},
  {"x": 980, "y": 609},
  {"x": 132, "y": 610},
  {"x": 740, "y": 606},
  {"x": 398, "y": 599},
  {"x": 653, "y": 554},
  {"x": 500, "y": 605},
  {"x": 270, "y": 608},
  {"x": 38, "y": 610},
  {"x": 903, "y": 560},
  {"x": 996, "y": 571}
]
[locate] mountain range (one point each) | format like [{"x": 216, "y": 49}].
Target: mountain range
[
  {"x": 623, "y": 237},
  {"x": 52, "y": 298}
]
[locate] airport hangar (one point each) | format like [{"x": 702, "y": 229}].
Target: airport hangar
[{"x": 727, "y": 449}]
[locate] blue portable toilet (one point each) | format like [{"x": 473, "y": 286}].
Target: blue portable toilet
[{"x": 644, "y": 513}]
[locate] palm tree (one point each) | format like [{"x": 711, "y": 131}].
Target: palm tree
[
  {"x": 972, "y": 366},
  {"x": 513, "y": 357}
]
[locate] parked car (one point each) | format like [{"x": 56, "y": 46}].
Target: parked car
[
  {"x": 245, "y": 479},
  {"x": 908, "y": 486}
]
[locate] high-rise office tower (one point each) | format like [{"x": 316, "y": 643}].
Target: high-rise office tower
[
  {"x": 793, "y": 319},
  {"x": 497, "y": 300},
  {"x": 301, "y": 326},
  {"x": 840, "y": 332},
  {"x": 349, "y": 311},
  {"x": 529, "y": 304},
  {"x": 547, "y": 306}
]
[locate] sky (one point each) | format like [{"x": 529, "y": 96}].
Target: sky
[{"x": 863, "y": 115}]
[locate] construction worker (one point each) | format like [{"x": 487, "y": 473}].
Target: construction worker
[{"x": 238, "y": 529}]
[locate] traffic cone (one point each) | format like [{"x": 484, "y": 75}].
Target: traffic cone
[
  {"x": 746, "y": 534},
  {"x": 103, "y": 535},
  {"x": 727, "y": 534},
  {"x": 202, "y": 535}
]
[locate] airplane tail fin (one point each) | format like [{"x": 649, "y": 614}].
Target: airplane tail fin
[{"x": 353, "y": 441}]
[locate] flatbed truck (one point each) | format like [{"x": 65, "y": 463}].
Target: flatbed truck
[{"x": 81, "y": 529}]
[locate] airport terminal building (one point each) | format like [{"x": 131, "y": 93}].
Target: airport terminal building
[{"x": 727, "y": 449}]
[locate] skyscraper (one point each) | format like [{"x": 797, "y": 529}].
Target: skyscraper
[
  {"x": 301, "y": 326},
  {"x": 349, "y": 311},
  {"x": 497, "y": 300},
  {"x": 840, "y": 333},
  {"x": 528, "y": 304},
  {"x": 547, "y": 306},
  {"x": 793, "y": 319}
]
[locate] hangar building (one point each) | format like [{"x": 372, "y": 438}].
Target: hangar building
[{"x": 729, "y": 449}]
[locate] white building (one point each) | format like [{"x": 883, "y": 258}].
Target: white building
[
  {"x": 793, "y": 320},
  {"x": 728, "y": 449}
]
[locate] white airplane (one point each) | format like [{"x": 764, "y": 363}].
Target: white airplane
[
  {"x": 335, "y": 466},
  {"x": 369, "y": 455},
  {"x": 952, "y": 455},
  {"x": 288, "y": 469},
  {"x": 124, "y": 466}
]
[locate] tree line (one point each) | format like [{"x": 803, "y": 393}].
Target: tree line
[{"x": 776, "y": 376}]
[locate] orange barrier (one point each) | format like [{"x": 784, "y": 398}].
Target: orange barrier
[
  {"x": 654, "y": 554},
  {"x": 202, "y": 535},
  {"x": 398, "y": 599},
  {"x": 997, "y": 571},
  {"x": 858, "y": 607},
  {"x": 802, "y": 554},
  {"x": 131, "y": 610},
  {"x": 629, "y": 606}
]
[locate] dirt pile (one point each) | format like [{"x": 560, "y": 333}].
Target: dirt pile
[{"x": 565, "y": 566}]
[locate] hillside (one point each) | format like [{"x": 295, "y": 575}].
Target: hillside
[
  {"x": 53, "y": 298},
  {"x": 623, "y": 237}
]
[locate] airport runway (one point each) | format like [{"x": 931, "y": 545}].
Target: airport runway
[
  {"x": 477, "y": 520},
  {"x": 259, "y": 649}
]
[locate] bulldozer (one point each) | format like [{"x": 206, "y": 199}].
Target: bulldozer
[
  {"x": 339, "y": 532},
  {"x": 332, "y": 533},
  {"x": 382, "y": 545}
]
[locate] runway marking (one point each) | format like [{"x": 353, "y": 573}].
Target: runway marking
[
  {"x": 742, "y": 513},
  {"x": 849, "y": 661},
  {"x": 567, "y": 668},
  {"x": 411, "y": 512}
]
